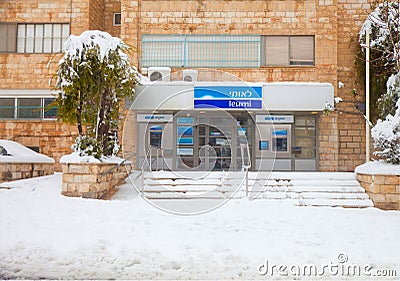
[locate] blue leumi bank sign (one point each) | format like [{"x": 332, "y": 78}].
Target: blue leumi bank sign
[{"x": 228, "y": 97}]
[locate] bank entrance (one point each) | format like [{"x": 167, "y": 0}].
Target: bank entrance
[
  {"x": 221, "y": 141},
  {"x": 211, "y": 140}
]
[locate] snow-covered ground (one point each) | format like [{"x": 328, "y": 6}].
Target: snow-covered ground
[{"x": 46, "y": 235}]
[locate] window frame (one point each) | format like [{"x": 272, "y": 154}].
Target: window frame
[
  {"x": 8, "y": 24},
  {"x": 114, "y": 19},
  {"x": 177, "y": 50},
  {"x": 289, "y": 60},
  {"x": 35, "y": 40},
  {"x": 17, "y": 108},
  {"x": 174, "y": 49}
]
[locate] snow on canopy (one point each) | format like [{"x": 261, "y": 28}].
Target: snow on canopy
[
  {"x": 75, "y": 45},
  {"x": 76, "y": 49},
  {"x": 13, "y": 152}
]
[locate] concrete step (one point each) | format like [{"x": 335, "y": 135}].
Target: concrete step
[{"x": 302, "y": 189}]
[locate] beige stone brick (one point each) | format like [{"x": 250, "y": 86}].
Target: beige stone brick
[
  {"x": 377, "y": 198},
  {"x": 79, "y": 169},
  {"x": 392, "y": 198},
  {"x": 392, "y": 180},
  {"x": 89, "y": 178},
  {"x": 386, "y": 188},
  {"x": 378, "y": 179},
  {"x": 64, "y": 187},
  {"x": 68, "y": 178},
  {"x": 373, "y": 187}
]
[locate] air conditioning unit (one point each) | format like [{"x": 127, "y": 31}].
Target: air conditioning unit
[
  {"x": 159, "y": 73},
  {"x": 190, "y": 75}
]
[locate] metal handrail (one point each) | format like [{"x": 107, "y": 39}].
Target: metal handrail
[
  {"x": 246, "y": 166},
  {"x": 159, "y": 151}
]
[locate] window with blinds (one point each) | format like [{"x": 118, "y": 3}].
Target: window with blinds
[
  {"x": 289, "y": 50},
  {"x": 8, "y": 34}
]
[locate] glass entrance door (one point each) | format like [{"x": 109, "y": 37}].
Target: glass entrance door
[
  {"x": 214, "y": 148},
  {"x": 211, "y": 141}
]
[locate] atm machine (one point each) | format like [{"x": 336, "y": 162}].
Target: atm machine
[
  {"x": 154, "y": 141},
  {"x": 273, "y": 144}
]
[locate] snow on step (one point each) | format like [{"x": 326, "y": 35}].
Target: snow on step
[
  {"x": 314, "y": 195},
  {"x": 327, "y": 189},
  {"x": 302, "y": 189},
  {"x": 348, "y": 203},
  {"x": 185, "y": 195}
]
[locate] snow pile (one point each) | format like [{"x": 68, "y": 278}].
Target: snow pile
[
  {"x": 45, "y": 235},
  {"x": 75, "y": 157},
  {"x": 13, "y": 152},
  {"x": 378, "y": 167},
  {"x": 386, "y": 133}
]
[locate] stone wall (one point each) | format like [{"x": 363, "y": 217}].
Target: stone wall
[
  {"x": 53, "y": 138},
  {"x": 17, "y": 171},
  {"x": 290, "y": 17},
  {"x": 33, "y": 71},
  {"x": 96, "y": 14},
  {"x": 351, "y": 125},
  {"x": 335, "y": 24},
  {"x": 92, "y": 180},
  {"x": 111, "y": 7},
  {"x": 384, "y": 190}
]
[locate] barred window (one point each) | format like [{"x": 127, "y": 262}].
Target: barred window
[
  {"x": 227, "y": 50},
  {"x": 201, "y": 50}
]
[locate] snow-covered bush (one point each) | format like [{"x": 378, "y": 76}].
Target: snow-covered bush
[
  {"x": 386, "y": 135},
  {"x": 93, "y": 78},
  {"x": 387, "y": 102},
  {"x": 383, "y": 24}
]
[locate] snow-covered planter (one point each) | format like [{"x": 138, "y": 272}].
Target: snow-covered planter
[
  {"x": 19, "y": 162},
  {"x": 382, "y": 183},
  {"x": 88, "y": 177}
]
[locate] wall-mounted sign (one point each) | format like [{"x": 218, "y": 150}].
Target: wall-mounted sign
[
  {"x": 228, "y": 97},
  {"x": 184, "y": 152},
  {"x": 274, "y": 118},
  {"x": 154, "y": 118},
  {"x": 185, "y": 120}
]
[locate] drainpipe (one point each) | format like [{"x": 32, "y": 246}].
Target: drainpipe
[{"x": 367, "y": 125}]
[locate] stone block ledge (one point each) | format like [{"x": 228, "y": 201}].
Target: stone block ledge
[
  {"x": 93, "y": 180},
  {"x": 18, "y": 171},
  {"x": 384, "y": 190}
]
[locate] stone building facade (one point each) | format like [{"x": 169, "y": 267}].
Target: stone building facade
[{"x": 333, "y": 23}]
